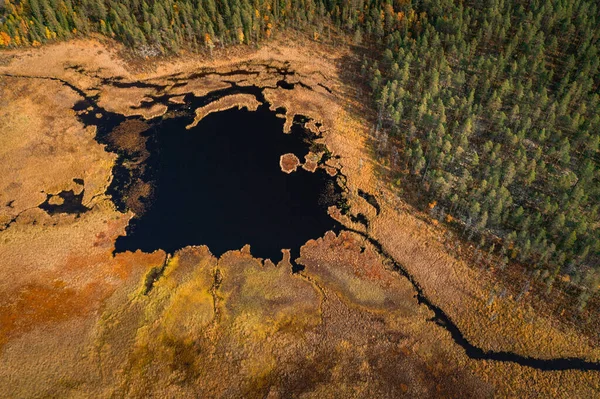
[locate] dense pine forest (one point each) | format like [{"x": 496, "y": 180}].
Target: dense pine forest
[
  {"x": 490, "y": 110},
  {"x": 164, "y": 26},
  {"x": 493, "y": 110}
]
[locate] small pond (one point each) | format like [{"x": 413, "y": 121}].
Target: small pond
[{"x": 220, "y": 184}]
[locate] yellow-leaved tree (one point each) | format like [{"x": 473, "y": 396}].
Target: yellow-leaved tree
[{"x": 4, "y": 39}]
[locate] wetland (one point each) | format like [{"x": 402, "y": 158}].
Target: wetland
[{"x": 127, "y": 259}]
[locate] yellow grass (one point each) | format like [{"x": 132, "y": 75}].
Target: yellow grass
[{"x": 239, "y": 101}]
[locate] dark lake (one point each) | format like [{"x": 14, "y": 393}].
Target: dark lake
[{"x": 220, "y": 184}]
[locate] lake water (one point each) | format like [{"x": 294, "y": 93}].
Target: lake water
[{"x": 220, "y": 184}]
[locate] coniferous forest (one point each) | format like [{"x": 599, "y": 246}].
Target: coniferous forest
[
  {"x": 489, "y": 110},
  {"x": 493, "y": 110}
]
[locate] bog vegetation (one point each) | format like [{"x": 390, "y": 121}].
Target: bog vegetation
[{"x": 491, "y": 109}]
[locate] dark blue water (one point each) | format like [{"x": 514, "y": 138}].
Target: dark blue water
[{"x": 220, "y": 184}]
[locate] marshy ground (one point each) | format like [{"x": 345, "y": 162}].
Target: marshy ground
[{"x": 78, "y": 320}]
